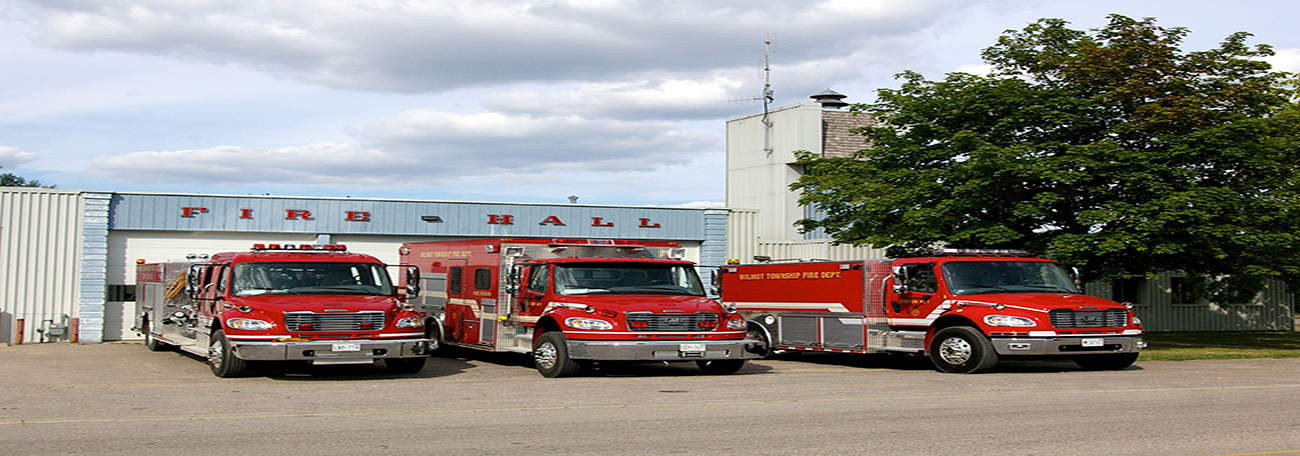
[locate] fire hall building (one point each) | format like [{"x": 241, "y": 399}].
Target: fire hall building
[{"x": 67, "y": 257}]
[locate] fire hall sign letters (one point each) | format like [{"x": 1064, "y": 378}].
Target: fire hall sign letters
[{"x": 365, "y": 216}]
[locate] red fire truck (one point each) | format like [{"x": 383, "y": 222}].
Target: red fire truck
[
  {"x": 309, "y": 303},
  {"x": 575, "y": 302},
  {"x": 964, "y": 309}
]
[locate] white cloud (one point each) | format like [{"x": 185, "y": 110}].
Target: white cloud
[
  {"x": 496, "y": 142},
  {"x": 434, "y": 46},
  {"x": 328, "y": 164},
  {"x": 10, "y": 156},
  {"x": 432, "y": 144},
  {"x": 979, "y": 70},
  {"x": 1285, "y": 60}
]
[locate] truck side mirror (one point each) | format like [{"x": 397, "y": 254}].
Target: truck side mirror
[
  {"x": 412, "y": 281},
  {"x": 192, "y": 284},
  {"x": 512, "y": 281},
  {"x": 900, "y": 279},
  {"x": 715, "y": 285}
]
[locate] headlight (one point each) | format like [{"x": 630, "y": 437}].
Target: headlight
[
  {"x": 410, "y": 322},
  {"x": 587, "y": 323},
  {"x": 1137, "y": 321},
  {"x": 248, "y": 324},
  {"x": 1007, "y": 320},
  {"x": 736, "y": 323}
]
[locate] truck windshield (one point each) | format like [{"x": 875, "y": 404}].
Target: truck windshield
[
  {"x": 253, "y": 279},
  {"x": 983, "y": 277},
  {"x": 667, "y": 279}
]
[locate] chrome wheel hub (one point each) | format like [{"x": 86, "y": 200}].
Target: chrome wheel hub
[
  {"x": 955, "y": 350},
  {"x": 546, "y": 355},
  {"x": 214, "y": 354}
]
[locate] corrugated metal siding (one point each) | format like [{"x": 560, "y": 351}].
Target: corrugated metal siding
[
  {"x": 817, "y": 250},
  {"x": 39, "y": 249},
  {"x": 1271, "y": 310},
  {"x": 94, "y": 266},
  {"x": 713, "y": 251},
  {"x": 743, "y": 244}
]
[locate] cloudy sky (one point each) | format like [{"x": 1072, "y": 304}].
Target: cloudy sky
[{"x": 615, "y": 101}]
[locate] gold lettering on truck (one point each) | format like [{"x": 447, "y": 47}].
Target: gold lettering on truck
[
  {"x": 805, "y": 275},
  {"x": 446, "y": 254}
]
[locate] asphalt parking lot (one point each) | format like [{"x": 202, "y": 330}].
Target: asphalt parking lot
[{"x": 120, "y": 398}]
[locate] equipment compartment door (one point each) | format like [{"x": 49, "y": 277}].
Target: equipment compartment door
[{"x": 842, "y": 333}]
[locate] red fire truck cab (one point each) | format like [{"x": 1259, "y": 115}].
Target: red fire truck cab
[
  {"x": 964, "y": 309},
  {"x": 575, "y": 302},
  {"x": 308, "y": 303}
]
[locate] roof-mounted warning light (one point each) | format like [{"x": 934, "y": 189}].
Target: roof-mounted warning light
[
  {"x": 300, "y": 247},
  {"x": 596, "y": 243},
  {"x": 981, "y": 252}
]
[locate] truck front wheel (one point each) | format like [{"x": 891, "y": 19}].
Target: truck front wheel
[
  {"x": 962, "y": 350},
  {"x": 1106, "y": 362},
  {"x": 551, "y": 356},
  {"x": 222, "y": 359}
]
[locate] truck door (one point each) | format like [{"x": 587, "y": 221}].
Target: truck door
[
  {"x": 918, "y": 304},
  {"x": 462, "y": 311},
  {"x": 483, "y": 294}
]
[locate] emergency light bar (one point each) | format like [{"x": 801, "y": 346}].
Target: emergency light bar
[
  {"x": 978, "y": 252},
  {"x": 596, "y": 243},
  {"x": 300, "y": 247}
]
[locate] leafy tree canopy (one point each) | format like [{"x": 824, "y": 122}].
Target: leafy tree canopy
[
  {"x": 13, "y": 180},
  {"x": 1109, "y": 149}
]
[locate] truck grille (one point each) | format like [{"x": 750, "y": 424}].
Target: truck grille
[
  {"x": 645, "y": 321},
  {"x": 1109, "y": 318},
  {"x": 359, "y": 321}
]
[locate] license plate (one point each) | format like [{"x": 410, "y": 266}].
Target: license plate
[
  {"x": 692, "y": 347},
  {"x": 346, "y": 347},
  {"x": 1094, "y": 342}
]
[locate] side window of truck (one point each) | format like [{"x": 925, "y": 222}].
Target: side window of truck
[
  {"x": 921, "y": 278},
  {"x": 482, "y": 279},
  {"x": 537, "y": 279},
  {"x": 454, "y": 280},
  {"x": 222, "y": 274}
]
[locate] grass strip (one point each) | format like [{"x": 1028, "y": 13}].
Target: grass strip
[{"x": 1183, "y": 346}]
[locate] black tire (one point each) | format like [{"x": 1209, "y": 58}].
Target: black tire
[
  {"x": 962, "y": 350},
  {"x": 405, "y": 365},
  {"x": 1115, "y": 361},
  {"x": 551, "y": 356},
  {"x": 150, "y": 341},
  {"x": 756, "y": 332},
  {"x": 222, "y": 359},
  {"x": 721, "y": 366}
]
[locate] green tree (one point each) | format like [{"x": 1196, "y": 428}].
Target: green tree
[
  {"x": 13, "y": 180},
  {"x": 1109, "y": 149}
]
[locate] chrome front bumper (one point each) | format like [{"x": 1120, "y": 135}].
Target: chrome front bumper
[
  {"x": 331, "y": 351},
  {"x": 660, "y": 350},
  {"x": 1070, "y": 346}
]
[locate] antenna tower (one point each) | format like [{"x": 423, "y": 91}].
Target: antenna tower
[{"x": 768, "y": 95}]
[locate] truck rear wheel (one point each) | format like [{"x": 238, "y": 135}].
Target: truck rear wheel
[
  {"x": 222, "y": 359},
  {"x": 721, "y": 366},
  {"x": 433, "y": 331},
  {"x": 405, "y": 365},
  {"x": 763, "y": 348},
  {"x": 151, "y": 342},
  {"x": 1115, "y": 361},
  {"x": 551, "y": 356},
  {"x": 962, "y": 350}
]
